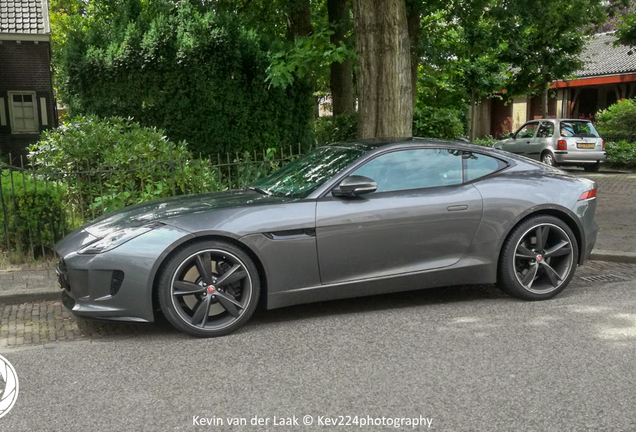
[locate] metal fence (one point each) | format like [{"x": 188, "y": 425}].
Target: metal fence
[
  {"x": 40, "y": 206},
  {"x": 608, "y": 137}
]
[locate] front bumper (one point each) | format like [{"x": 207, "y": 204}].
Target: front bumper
[
  {"x": 118, "y": 284},
  {"x": 580, "y": 157}
]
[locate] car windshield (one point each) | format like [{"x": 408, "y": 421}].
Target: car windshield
[
  {"x": 578, "y": 129},
  {"x": 303, "y": 176}
]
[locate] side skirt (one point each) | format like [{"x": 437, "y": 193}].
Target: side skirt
[{"x": 465, "y": 272}]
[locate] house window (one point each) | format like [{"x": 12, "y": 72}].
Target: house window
[{"x": 23, "y": 111}]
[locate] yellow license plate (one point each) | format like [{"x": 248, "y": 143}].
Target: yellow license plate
[{"x": 586, "y": 145}]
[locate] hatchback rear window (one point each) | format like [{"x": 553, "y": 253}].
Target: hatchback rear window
[{"x": 581, "y": 129}]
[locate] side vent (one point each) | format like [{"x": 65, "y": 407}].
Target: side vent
[{"x": 116, "y": 281}]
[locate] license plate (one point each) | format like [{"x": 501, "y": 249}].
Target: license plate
[{"x": 586, "y": 145}]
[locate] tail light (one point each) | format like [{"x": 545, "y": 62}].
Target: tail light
[
  {"x": 603, "y": 144},
  {"x": 588, "y": 194},
  {"x": 562, "y": 145}
]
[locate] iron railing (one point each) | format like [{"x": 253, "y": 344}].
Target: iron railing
[
  {"x": 615, "y": 137},
  {"x": 40, "y": 206}
]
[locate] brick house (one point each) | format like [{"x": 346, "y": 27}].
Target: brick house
[
  {"x": 608, "y": 75},
  {"x": 27, "y": 103}
]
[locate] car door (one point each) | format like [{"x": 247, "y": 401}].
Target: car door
[
  {"x": 520, "y": 144},
  {"x": 543, "y": 140},
  {"x": 421, "y": 217}
]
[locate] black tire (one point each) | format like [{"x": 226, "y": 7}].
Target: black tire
[
  {"x": 512, "y": 261},
  {"x": 592, "y": 168},
  {"x": 174, "y": 305},
  {"x": 548, "y": 159}
]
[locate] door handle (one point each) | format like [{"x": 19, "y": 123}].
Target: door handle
[{"x": 461, "y": 207}]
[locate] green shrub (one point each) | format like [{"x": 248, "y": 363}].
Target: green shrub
[
  {"x": 432, "y": 122},
  {"x": 35, "y": 216},
  {"x": 114, "y": 162},
  {"x": 335, "y": 128},
  {"x": 621, "y": 154},
  {"x": 619, "y": 118},
  {"x": 486, "y": 141},
  {"x": 197, "y": 74}
]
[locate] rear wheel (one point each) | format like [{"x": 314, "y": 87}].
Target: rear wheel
[
  {"x": 538, "y": 259},
  {"x": 592, "y": 168},
  {"x": 548, "y": 159},
  {"x": 209, "y": 289}
]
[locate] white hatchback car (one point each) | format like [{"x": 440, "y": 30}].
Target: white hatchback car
[{"x": 558, "y": 142}]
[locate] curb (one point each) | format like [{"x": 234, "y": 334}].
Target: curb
[
  {"x": 29, "y": 297},
  {"x": 613, "y": 256}
]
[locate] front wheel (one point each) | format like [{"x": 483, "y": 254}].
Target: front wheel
[
  {"x": 592, "y": 168},
  {"x": 209, "y": 288},
  {"x": 538, "y": 259}
]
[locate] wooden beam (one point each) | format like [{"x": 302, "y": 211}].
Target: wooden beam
[{"x": 584, "y": 82}]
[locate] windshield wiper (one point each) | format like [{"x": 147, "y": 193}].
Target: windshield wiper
[{"x": 259, "y": 190}]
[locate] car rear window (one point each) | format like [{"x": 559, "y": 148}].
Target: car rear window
[
  {"x": 479, "y": 165},
  {"x": 581, "y": 129}
]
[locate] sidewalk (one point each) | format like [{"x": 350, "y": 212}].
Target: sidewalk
[{"x": 615, "y": 214}]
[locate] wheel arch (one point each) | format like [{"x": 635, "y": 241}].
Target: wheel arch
[
  {"x": 547, "y": 150},
  {"x": 559, "y": 212},
  {"x": 209, "y": 237}
]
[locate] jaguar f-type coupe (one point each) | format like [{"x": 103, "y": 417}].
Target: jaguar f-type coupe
[{"x": 346, "y": 220}]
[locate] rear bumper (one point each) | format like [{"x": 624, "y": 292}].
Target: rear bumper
[
  {"x": 580, "y": 157},
  {"x": 586, "y": 211}
]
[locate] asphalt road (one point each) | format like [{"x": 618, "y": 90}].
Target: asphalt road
[{"x": 469, "y": 359}]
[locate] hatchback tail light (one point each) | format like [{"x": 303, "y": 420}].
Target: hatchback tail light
[
  {"x": 562, "y": 145},
  {"x": 603, "y": 144},
  {"x": 588, "y": 194}
]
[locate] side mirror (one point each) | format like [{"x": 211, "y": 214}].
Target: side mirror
[{"x": 355, "y": 185}]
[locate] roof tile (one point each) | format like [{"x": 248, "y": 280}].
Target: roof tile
[
  {"x": 23, "y": 16},
  {"x": 601, "y": 57}
]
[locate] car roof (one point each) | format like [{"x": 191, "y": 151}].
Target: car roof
[
  {"x": 370, "y": 144},
  {"x": 554, "y": 120}
]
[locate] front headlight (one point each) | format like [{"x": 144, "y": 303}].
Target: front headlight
[{"x": 116, "y": 238}]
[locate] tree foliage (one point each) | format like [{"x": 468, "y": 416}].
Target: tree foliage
[
  {"x": 545, "y": 39},
  {"x": 238, "y": 74},
  {"x": 195, "y": 72},
  {"x": 626, "y": 33}
]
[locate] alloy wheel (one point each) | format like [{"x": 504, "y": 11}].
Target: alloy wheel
[
  {"x": 548, "y": 159},
  {"x": 544, "y": 258},
  {"x": 211, "y": 289}
]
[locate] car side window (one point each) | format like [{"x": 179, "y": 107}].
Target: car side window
[
  {"x": 527, "y": 131},
  {"x": 479, "y": 165},
  {"x": 546, "y": 130},
  {"x": 414, "y": 169}
]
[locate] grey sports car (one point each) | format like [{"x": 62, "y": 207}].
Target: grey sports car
[{"x": 349, "y": 219}]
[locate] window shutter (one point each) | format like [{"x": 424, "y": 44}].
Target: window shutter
[
  {"x": 3, "y": 113},
  {"x": 43, "y": 112}
]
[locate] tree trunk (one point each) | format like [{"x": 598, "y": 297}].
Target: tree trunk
[
  {"x": 545, "y": 99},
  {"x": 299, "y": 18},
  {"x": 343, "y": 100},
  {"x": 413, "y": 18},
  {"x": 384, "y": 69}
]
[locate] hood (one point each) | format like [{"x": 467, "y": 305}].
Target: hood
[{"x": 154, "y": 211}]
